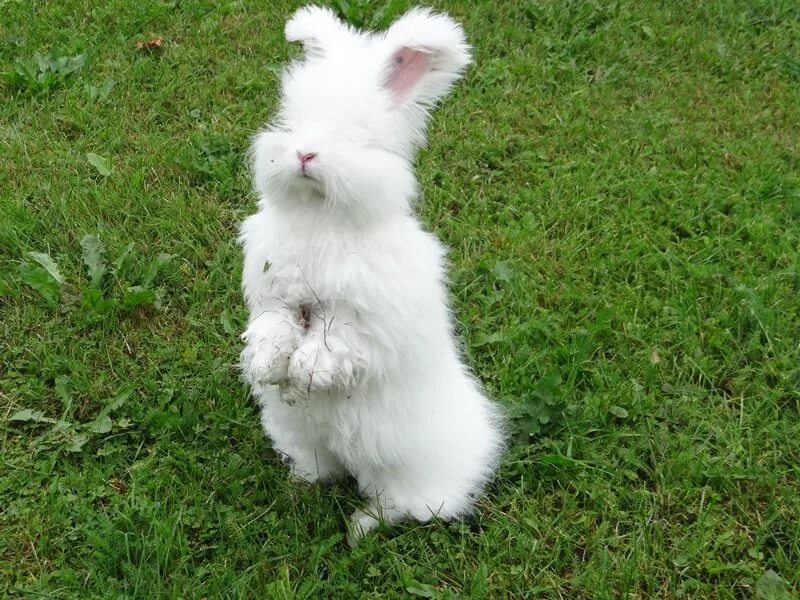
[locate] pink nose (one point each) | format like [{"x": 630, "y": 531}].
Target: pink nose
[{"x": 306, "y": 157}]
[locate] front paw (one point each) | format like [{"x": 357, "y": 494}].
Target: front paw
[
  {"x": 265, "y": 364},
  {"x": 265, "y": 359},
  {"x": 320, "y": 365}
]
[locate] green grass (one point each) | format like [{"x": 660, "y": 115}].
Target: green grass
[{"x": 619, "y": 183}]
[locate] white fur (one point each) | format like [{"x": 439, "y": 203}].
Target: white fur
[{"x": 372, "y": 384}]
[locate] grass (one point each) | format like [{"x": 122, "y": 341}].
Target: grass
[{"x": 619, "y": 184}]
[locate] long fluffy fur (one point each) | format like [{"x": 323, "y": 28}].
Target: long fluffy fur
[{"x": 349, "y": 347}]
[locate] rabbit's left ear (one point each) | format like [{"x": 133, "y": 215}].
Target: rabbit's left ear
[
  {"x": 316, "y": 27},
  {"x": 427, "y": 54}
]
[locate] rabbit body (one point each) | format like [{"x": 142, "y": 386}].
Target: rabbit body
[{"x": 349, "y": 348}]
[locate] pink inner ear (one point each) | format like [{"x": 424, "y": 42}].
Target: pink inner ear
[{"x": 406, "y": 69}]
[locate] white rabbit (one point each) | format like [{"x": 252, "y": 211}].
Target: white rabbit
[{"x": 349, "y": 347}]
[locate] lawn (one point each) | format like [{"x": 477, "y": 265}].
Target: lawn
[{"x": 619, "y": 185}]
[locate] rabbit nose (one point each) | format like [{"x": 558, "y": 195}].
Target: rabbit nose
[{"x": 305, "y": 157}]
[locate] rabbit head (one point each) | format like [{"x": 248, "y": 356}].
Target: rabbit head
[{"x": 354, "y": 109}]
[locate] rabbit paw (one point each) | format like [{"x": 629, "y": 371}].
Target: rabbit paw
[
  {"x": 265, "y": 359},
  {"x": 319, "y": 365}
]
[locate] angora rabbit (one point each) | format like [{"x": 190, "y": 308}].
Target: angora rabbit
[{"x": 349, "y": 346}]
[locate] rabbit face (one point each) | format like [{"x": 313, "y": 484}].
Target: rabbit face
[{"x": 354, "y": 109}]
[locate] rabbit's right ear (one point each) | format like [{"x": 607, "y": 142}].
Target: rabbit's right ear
[
  {"x": 316, "y": 27},
  {"x": 427, "y": 54}
]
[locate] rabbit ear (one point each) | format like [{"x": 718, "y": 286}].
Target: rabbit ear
[
  {"x": 316, "y": 27},
  {"x": 428, "y": 53}
]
